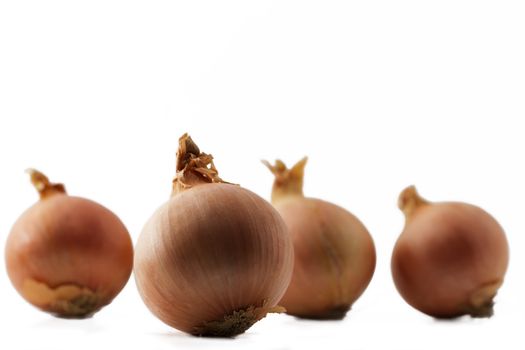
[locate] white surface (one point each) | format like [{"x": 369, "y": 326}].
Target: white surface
[{"x": 379, "y": 94}]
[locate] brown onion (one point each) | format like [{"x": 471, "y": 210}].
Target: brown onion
[
  {"x": 450, "y": 259},
  {"x": 215, "y": 258},
  {"x": 334, "y": 253},
  {"x": 68, "y": 255}
]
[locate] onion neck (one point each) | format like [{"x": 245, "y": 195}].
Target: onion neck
[
  {"x": 193, "y": 167},
  {"x": 42, "y": 184},
  {"x": 288, "y": 182},
  {"x": 410, "y": 200}
]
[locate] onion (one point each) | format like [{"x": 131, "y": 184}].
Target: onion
[
  {"x": 334, "y": 253},
  {"x": 450, "y": 259},
  {"x": 67, "y": 255},
  {"x": 215, "y": 258}
]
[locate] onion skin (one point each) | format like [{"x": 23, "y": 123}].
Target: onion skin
[
  {"x": 450, "y": 259},
  {"x": 66, "y": 255},
  {"x": 215, "y": 258},
  {"x": 334, "y": 253}
]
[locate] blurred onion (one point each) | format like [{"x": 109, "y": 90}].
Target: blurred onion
[
  {"x": 334, "y": 253},
  {"x": 68, "y": 255},
  {"x": 450, "y": 259}
]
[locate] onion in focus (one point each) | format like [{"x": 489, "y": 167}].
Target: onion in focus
[{"x": 215, "y": 258}]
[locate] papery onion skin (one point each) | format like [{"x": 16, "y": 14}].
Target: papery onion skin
[
  {"x": 334, "y": 253},
  {"x": 215, "y": 258},
  {"x": 450, "y": 259},
  {"x": 66, "y": 255}
]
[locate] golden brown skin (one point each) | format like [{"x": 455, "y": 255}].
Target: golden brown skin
[
  {"x": 69, "y": 256},
  {"x": 334, "y": 258},
  {"x": 334, "y": 253},
  {"x": 213, "y": 260},
  {"x": 450, "y": 259}
]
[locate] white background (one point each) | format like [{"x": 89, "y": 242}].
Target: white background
[{"x": 379, "y": 95}]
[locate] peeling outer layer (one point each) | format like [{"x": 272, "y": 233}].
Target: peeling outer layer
[
  {"x": 66, "y": 300},
  {"x": 193, "y": 166},
  {"x": 288, "y": 182},
  {"x": 237, "y": 322}
]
